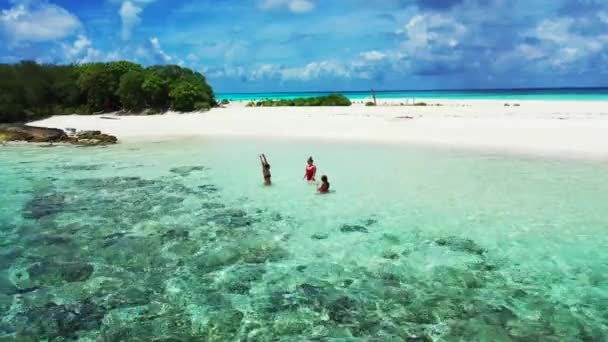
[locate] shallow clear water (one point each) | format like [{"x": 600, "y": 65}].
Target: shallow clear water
[
  {"x": 180, "y": 240},
  {"x": 555, "y": 94}
]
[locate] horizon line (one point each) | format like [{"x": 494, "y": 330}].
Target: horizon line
[{"x": 420, "y": 90}]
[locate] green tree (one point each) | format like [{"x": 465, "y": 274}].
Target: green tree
[
  {"x": 130, "y": 90},
  {"x": 186, "y": 96},
  {"x": 156, "y": 91},
  {"x": 96, "y": 82},
  {"x": 100, "y": 82},
  {"x": 29, "y": 91}
]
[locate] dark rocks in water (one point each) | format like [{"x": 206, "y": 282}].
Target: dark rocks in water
[
  {"x": 5, "y": 303},
  {"x": 111, "y": 183},
  {"x": 153, "y": 323},
  {"x": 391, "y": 238},
  {"x": 232, "y": 218},
  {"x": 54, "y": 321},
  {"x": 349, "y": 228},
  {"x": 88, "y": 134},
  {"x": 185, "y": 171},
  {"x": 6, "y": 135},
  {"x": 93, "y": 138},
  {"x": 111, "y": 239},
  {"x": 342, "y": 310},
  {"x": 213, "y": 205},
  {"x": 278, "y": 301},
  {"x": 134, "y": 253},
  {"x": 370, "y": 222},
  {"x": 31, "y": 133},
  {"x": 184, "y": 248},
  {"x": 49, "y": 273},
  {"x": 45, "y": 204},
  {"x": 458, "y": 244},
  {"x": 310, "y": 290},
  {"x": 264, "y": 253},
  {"x": 6, "y": 286},
  {"x": 240, "y": 279},
  {"x": 91, "y": 167},
  {"x": 319, "y": 236},
  {"x": 391, "y": 255},
  {"x": 346, "y": 283},
  {"x": 419, "y": 338},
  {"x": 217, "y": 259},
  {"x": 17, "y": 282},
  {"x": 52, "y": 239},
  {"x": 128, "y": 296},
  {"x": 223, "y": 325},
  {"x": 484, "y": 266},
  {"x": 42, "y": 134},
  {"x": 390, "y": 279},
  {"x": 176, "y": 234},
  {"x": 8, "y": 255},
  {"x": 75, "y": 272},
  {"x": 229, "y": 255}
]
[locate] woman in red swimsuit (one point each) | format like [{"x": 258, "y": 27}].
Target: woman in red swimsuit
[{"x": 311, "y": 170}]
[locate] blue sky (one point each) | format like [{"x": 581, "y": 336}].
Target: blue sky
[{"x": 295, "y": 45}]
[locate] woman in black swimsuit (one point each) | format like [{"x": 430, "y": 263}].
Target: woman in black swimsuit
[{"x": 265, "y": 169}]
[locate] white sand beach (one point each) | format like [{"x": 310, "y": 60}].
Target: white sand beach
[{"x": 552, "y": 128}]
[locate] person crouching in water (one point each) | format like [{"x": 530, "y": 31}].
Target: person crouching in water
[
  {"x": 311, "y": 170},
  {"x": 265, "y": 169},
  {"x": 324, "y": 187}
]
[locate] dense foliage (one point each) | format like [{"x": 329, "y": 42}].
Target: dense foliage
[
  {"x": 328, "y": 100},
  {"x": 29, "y": 91}
]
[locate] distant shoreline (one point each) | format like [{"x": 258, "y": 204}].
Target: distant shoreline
[
  {"x": 551, "y": 129},
  {"x": 519, "y": 94}
]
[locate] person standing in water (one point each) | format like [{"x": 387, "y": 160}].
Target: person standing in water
[
  {"x": 324, "y": 187},
  {"x": 265, "y": 169},
  {"x": 311, "y": 170}
]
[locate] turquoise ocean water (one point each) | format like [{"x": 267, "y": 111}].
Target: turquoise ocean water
[
  {"x": 180, "y": 241},
  {"x": 569, "y": 94}
]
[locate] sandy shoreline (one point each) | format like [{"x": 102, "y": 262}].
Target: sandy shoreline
[{"x": 553, "y": 128}]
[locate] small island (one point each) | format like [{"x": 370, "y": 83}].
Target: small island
[{"x": 32, "y": 91}]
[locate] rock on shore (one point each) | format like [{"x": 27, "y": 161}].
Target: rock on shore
[{"x": 42, "y": 134}]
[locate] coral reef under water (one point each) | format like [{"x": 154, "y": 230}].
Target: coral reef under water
[{"x": 135, "y": 259}]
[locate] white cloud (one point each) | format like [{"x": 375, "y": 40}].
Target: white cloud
[
  {"x": 92, "y": 55},
  {"x": 563, "y": 45},
  {"x": 296, "y": 6},
  {"x": 129, "y": 14},
  {"x": 83, "y": 51},
  {"x": 81, "y": 44},
  {"x": 159, "y": 51},
  {"x": 373, "y": 55},
  {"x": 265, "y": 71},
  {"x": 529, "y": 52},
  {"x": 557, "y": 31},
  {"x": 40, "y": 23},
  {"x": 316, "y": 70},
  {"x": 427, "y": 30}
]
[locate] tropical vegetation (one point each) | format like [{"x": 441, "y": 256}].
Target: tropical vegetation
[
  {"x": 30, "y": 91},
  {"x": 327, "y": 100}
]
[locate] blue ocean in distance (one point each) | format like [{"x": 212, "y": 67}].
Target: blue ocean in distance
[{"x": 538, "y": 94}]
